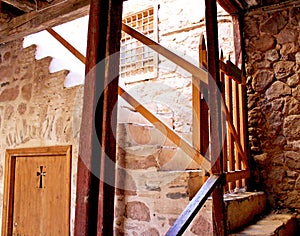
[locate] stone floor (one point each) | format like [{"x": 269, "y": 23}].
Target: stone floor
[{"x": 272, "y": 225}]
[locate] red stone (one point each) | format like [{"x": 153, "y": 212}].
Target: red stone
[
  {"x": 26, "y": 91},
  {"x": 22, "y": 108},
  {"x": 9, "y": 94},
  {"x": 137, "y": 211}
]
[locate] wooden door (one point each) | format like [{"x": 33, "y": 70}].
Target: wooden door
[{"x": 39, "y": 192}]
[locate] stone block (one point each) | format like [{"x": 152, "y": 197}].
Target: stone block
[
  {"x": 9, "y": 94},
  {"x": 175, "y": 159},
  {"x": 283, "y": 69},
  {"x": 287, "y": 35},
  {"x": 137, "y": 211},
  {"x": 272, "y": 224},
  {"x": 296, "y": 92},
  {"x": 275, "y": 23},
  {"x": 140, "y": 162},
  {"x": 262, "y": 79},
  {"x": 242, "y": 208},
  {"x": 291, "y": 127},
  {"x": 278, "y": 89},
  {"x": 272, "y": 55},
  {"x": 263, "y": 43}
]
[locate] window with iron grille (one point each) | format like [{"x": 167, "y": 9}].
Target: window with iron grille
[{"x": 137, "y": 61}]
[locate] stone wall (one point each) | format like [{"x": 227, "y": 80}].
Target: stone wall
[
  {"x": 35, "y": 108},
  {"x": 273, "y": 70}
]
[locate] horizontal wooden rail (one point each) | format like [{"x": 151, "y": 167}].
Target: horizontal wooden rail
[
  {"x": 237, "y": 175},
  {"x": 197, "y": 72},
  {"x": 232, "y": 71},
  {"x": 171, "y": 134},
  {"x": 194, "y": 206}
]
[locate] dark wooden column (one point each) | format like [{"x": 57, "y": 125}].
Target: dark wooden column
[
  {"x": 215, "y": 113},
  {"x": 97, "y": 143}
]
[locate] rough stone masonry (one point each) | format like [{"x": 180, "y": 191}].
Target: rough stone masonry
[{"x": 273, "y": 72}]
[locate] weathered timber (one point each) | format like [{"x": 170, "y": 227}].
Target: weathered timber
[
  {"x": 175, "y": 138},
  {"x": 97, "y": 150},
  {"x": 89, "y": 148},
  {"x": 230, "y": 6},
  {"x": 67, "y": 45},
  {"x": 194, "y": 153},
  {"x": 237, "y": 175},
  {"x": 48, "y": 17},
  {"x": 194, "y": 206},
  {"x": 106, "y": 129},
  {"x": 218, "y": 215},
  {"x": 25, "y": 6},
  {"x": 197, "y": 72}
]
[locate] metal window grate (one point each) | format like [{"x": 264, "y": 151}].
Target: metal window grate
[{"x": 137, "y": 61}]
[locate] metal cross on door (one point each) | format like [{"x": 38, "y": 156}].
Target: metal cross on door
[{"x": 41, "y": 174}]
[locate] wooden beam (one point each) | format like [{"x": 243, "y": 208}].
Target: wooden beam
[
  {"x": 237, "y": 35},
  {"x": 230, "y": 6},
  {"x": 97, "y": 151},
  {"x": 194, "y": 153},
  {"x": 67, "y": 45},
  {"x": 219, "y": 218},
  {"x": 49, "y": 17},
  {"x": 194, "y": 206},
  {"x": 87, "y": 189},
  {"x": 170, "y": 134},
  {"x": 232, "y": 176},
  {"x": 108, "y": 115},
  {"x": 197, "y": 72},
  {"x": 24, "y": 6}
]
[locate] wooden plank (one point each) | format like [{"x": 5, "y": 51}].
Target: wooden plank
[
  {"x": 49, "y": 17},
  {"x": 218, "y": 215},
  {"x": 236, "y": 121},
  {"x": 197, "y": 72},
  {"x": 237, "y": 35},
  {"x": 237, "y": 175},
  {"x": 235, "y": 135},
  {"x": 107, "y": 113},
  {"x": 87, "y": 190},
  {"x": 233, "y": 71},
  {"x": 230, "y": 138},
  {"x": 230, "y": 6},
  {"x": 224, "y": 130},
  {"x": 170, "y": 134},
  {"x": 242, "y": 116},
  {"x": 204, "y": 117},
  {"x": 196, "y": 111},
  {"x": 194, "y": 206},
  {"x": 24, "y": 6},
  {"x": 66, "y": 44}
]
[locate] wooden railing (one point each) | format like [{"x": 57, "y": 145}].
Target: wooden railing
[
  {"x": 235, "y": 162},
  {"x": 234, "y": 149}
]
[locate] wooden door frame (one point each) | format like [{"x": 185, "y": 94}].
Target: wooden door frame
[{"x": 10, "y": 161}]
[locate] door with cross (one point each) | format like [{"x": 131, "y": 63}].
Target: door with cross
[{"x": 41, "y": 195}]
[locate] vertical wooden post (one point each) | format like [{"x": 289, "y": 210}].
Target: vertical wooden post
[
  {"x": 104, "y": 35},
  {"x": 237, "y": 38},
  {"x": 224, "y": 131},
  {"x": 200, "y": 111},
  {"x": 219, "y": 226},
  {"x": 109, "y": 120},
  {"x": 236, "y": 121},
  {"x": 230, "y": 139}
]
